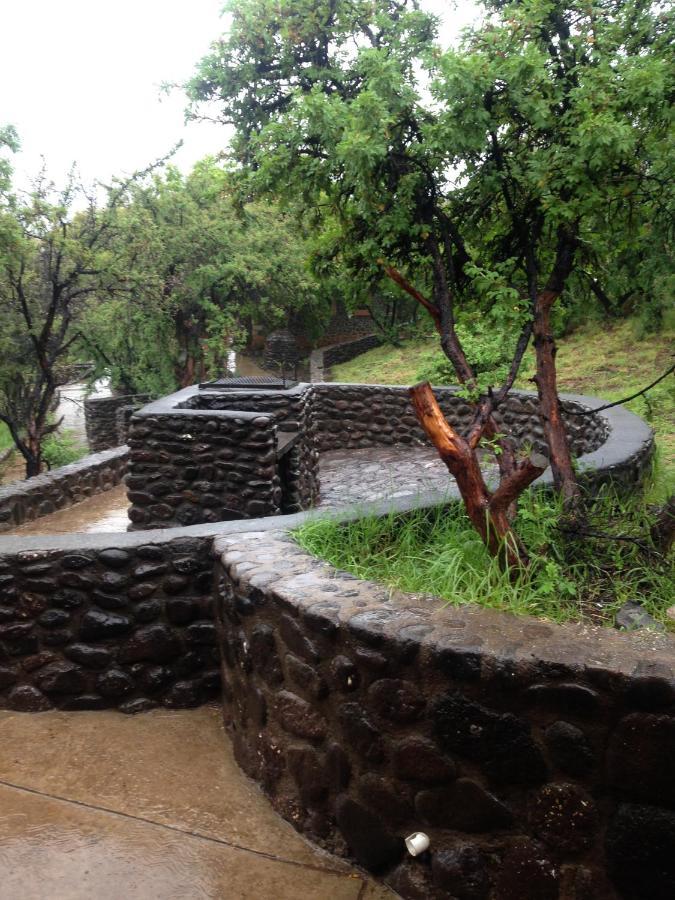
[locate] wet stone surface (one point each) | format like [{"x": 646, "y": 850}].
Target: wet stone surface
[
  {"x": 122, "y": 628},
  {"x": 360, "y": 476}
]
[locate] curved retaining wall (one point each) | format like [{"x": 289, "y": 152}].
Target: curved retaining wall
[
  {"x": 537, "y": 757},
  {"x": 23, "y": 501},
  {"x": 207, "y": 456}
]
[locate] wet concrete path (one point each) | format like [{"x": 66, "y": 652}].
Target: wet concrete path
[
  {"x": 101, "y": 513},
  {"x": 150, "y": 807}
]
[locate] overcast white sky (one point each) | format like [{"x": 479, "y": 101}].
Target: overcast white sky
[{"x": 80, "y": 81}]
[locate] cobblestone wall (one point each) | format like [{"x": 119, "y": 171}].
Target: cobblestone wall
[
  {"x": 282, "y": 352},
  {"x": 91, "y": 627},
  {"x": 351, "y": 416},
  {"x": 101, "y": 419},
  {"x": 24, "y": 501},
  {"x": 344, "y": 327},
  {"x": 358, "y": 415},
  {"x": 191, "y": 466},
  {"x": 536, "y": 757},
  {"x": 206, "y": 456}
]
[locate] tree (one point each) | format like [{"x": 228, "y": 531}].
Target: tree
[
  {"x": 478, "y": 179},
  {"x": 203, "y": 264},
  {"x": 55, "y": 254}
]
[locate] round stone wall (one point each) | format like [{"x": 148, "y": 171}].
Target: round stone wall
[{"x": 537, "y": 757}]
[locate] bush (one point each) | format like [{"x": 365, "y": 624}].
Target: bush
[
  {"x": 583, "y": 577},
  {"x": 61, "y": 449}
]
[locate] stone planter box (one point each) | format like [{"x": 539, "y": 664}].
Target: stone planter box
[{"x": 537, "y": 757}]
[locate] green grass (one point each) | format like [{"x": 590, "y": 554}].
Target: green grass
[
  {"x": 5, "y": 437},
  {"x": 606, "y": 360},
  {"x": 438, "y": 552},
  {"x": 62, "y": 449}
]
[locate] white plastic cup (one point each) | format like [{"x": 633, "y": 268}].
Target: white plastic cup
[{"x": 417, "y": 843}]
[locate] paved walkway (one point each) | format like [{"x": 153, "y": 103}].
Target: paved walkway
[
  {"x": 152, "y": 807},
  {"x": 377, "y": 473}
]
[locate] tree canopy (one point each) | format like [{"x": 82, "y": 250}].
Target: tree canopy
[
  {"x": 156, "y": 282},
  {"x": 483, "y": 179},
  {"x": 201, "y": 266}
]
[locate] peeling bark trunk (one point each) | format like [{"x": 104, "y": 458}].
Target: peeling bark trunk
[
  {"x": 564, "y": 477},
  {"x": 33, "y": 454},
  {"x": 489, "y": 512}
]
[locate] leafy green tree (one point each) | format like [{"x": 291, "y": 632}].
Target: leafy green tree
[
  {"x": 203, "y": 265},
  {"x": 480, "y": 179},
  {"x": 55, "y": 254}
]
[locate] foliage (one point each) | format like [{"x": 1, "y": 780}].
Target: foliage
[
  {"x": 547, "y": 115},
  {"x": 438, "y": 552},
  {"x": 5, "y": 437},
  {"x": 53, "y": 255},
  {"x": 485, "y": 180},
  {"x": 61, "y": 449},
  {"x": 488, "y": 353},
  {"x": 9, "y": 141},
  {"x": 203, "y": 267}
]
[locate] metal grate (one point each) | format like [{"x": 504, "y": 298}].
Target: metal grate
[{"x": 259, "y": 382}]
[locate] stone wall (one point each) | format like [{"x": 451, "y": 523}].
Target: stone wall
[
  {"x": 95, "y": 625},
  {"x": 190, "y": 466},
  {"x": 344, "y": 327},
  {"x": 123, "y": 422},
  {"x": 537, "y": 757},
  {"x": 101, "y": 419},
  {"x": 299, "y": 464},
  {"x": 349, "y": 416},
  {"x": 212, "y": 455},
  {"x": 354, "y": 416},
  {"x": 287, "y": 405},
  {"x": 282, "y": 352},
  {"x": 23, "y": 501},
  {"x": 321, "y": 360}
]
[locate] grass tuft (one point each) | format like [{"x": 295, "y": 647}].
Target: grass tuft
[{"x": 571, "y": 578}]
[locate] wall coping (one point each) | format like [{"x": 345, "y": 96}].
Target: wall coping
[{"x": 435, "y": 625}]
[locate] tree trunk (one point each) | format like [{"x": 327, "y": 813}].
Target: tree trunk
[
  {"x": 32, "y": 453},
  {"x": 663, "y": 529},
  {"x": 488, "y": 511},
  {"x": 188, "y": 374},
  {"x": 564, "y": 477}
]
